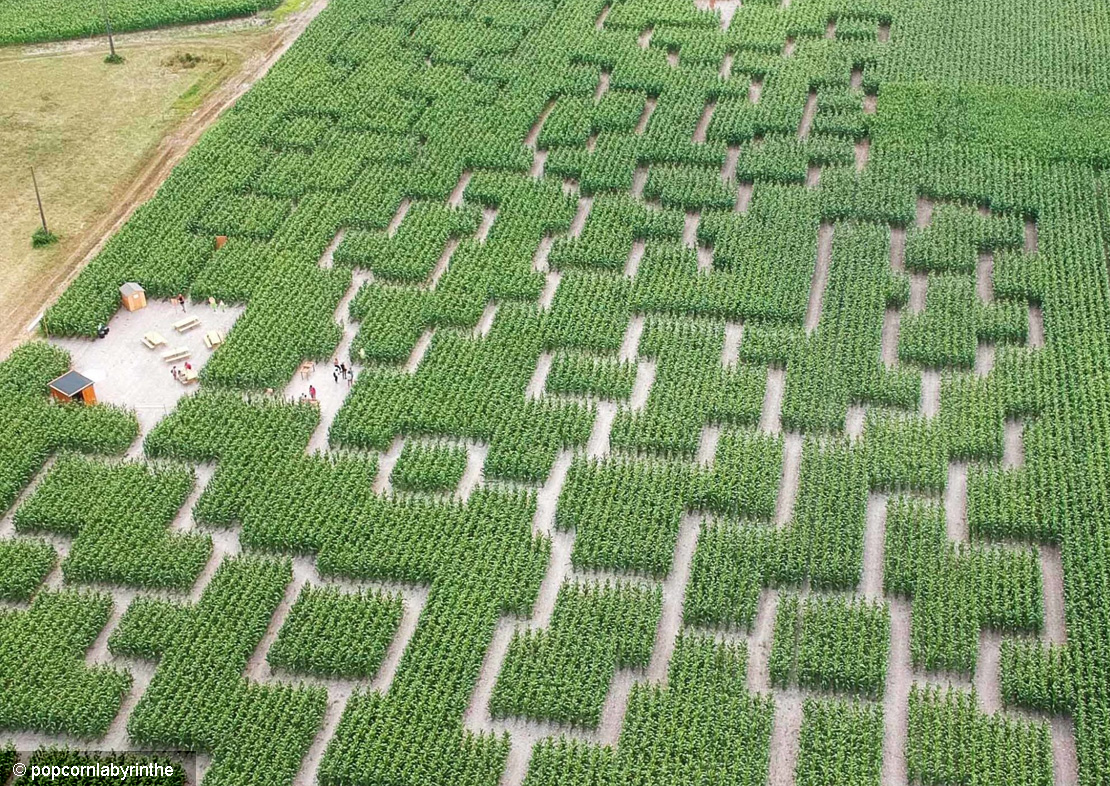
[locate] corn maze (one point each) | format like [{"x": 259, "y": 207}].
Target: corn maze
[{"x": 730, "y": 408}]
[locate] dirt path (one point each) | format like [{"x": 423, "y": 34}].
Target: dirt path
[
  {"x": 730, "y": 351},
  {"x": 892, "y": 317},
  {"x": 585, "y": 203},
  {"x": 892, "y": 323},
  {"x": 728, "y": 169},
  {"x": 310, "y": 765},
  {"x": 641, "y": 387},
  {"x": 649, "y": 108},
  {"x": 770, "y": 416},
  {"x": 862, "y": 153},
  {"x": 598, "y": 444},
  {"x": 1036, "y": 327},
  {"x": 1052, "y": 573},
  {"x": 759, "y": 645},
  {"x": 1031, "y": 240},
  {"x": 418, "y": 349},
  {"x": 791, "y": 473},
  {"x": 1013, "y": 449},
  {"x": 955, "y": 502},
  {"x": 808, "y": 114},
  {"x": 984, "y": 276},
  {"x": 690, "y": 229},
  {"x": 707, "y": 445},
  {"x": 899, "y": 678},
  {"x": 536, "y": 384},
  {"x": 930, "y": 393},
  {"x": 755, "y": 88},
  {"x": 330, "y": 394},
  {"x": 785, "y": 736},
  {"x": 674, "y": 594},
  {"x": 1065, "y": 761},
  {"x": 160, "y": 35},
  {"x": 743, "y": 195},
  {"x": 984, "y": 359},
  {"x": 630, "y": 343},
  {"x": 919, "y": 283},
  {"x": 898, "y": 249},
  {"x": 854, "y": 421},
  {"x": 820, "y": 276},
  {"x": 874, "y": 542},
  {"x": 635, "y": 256},
  {"x": 702, "y": 129},
  {"x": 725, "y": 71},
  {"x": 165, "y": 157},
  {"x": 386, "y": 462},
  {"x": 988, "y": 670}
]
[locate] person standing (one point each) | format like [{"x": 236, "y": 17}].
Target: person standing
[
  {"x": 181, "y": 300},
  {"x": 312, "y": 392},
  {"x": 335, "y": 372}
]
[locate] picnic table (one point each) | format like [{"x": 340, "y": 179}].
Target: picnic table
[
  {"x": 306, "y": 369},
  {"x": 176, "y": 354},
  {"x": 213, "y": 339},
  {"x": 188, "y": 323},
  {"x": 153, "y": 340},
  {"x": 190, "y": 377}
]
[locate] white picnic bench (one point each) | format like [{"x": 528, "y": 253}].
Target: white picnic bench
[
  {"x": 152, "y": 340},
  {"x": 188, "y": 323},
  {"x": 176, "y": 354},
  {"x": 213, "y": 339}
]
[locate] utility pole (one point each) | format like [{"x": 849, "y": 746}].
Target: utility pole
[
  {"x": 108, "y": 24},
  {"x": 42, "y": 213}
]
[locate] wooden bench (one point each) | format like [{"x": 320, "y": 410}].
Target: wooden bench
[
  {"x": 213, "y": 339},
  {"x": 153, "y": 340},
  {"x": 177, "y": 354},
  {"x": 190, "y": 377},
  {"x": 186, "y": 324}
]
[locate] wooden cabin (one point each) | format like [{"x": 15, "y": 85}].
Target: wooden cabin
[
  {"x": 73, "y": 387},
  {"x": 133, "y": 296}
]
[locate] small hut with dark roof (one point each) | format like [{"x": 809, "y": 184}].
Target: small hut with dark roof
[{"x": 72, "y": 386}]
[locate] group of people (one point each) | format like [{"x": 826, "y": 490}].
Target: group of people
[
  {"x": 343, "y": 371},
  {"x": 340, "y": 371},
  {"x": 179, "y": 375}
]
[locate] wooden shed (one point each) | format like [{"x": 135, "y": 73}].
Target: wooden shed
[
  {"x": 72, "y": 386},
  {"x": 133, "y": 295}
]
